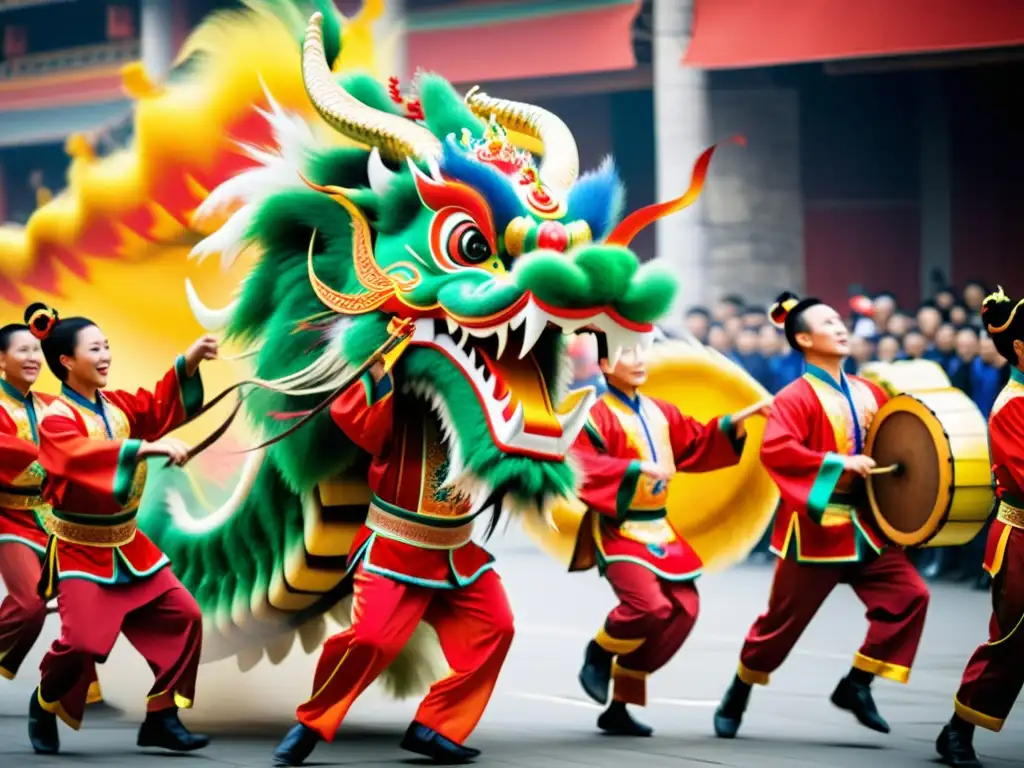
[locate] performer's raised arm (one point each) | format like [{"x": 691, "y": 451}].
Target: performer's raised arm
[
  {"x": 701, "y": 447},
  {"x": 176, "y": 397},
  {"x": 365, "y": 411}
]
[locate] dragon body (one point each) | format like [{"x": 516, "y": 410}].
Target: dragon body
[{"x": 436, "y": 234}]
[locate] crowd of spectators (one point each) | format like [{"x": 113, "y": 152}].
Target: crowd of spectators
[{"x": 946, "y": 329}]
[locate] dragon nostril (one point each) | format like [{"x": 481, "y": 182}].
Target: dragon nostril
[{"x": 553, "y": 235}]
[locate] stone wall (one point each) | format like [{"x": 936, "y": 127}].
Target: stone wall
[{"x": 752, "y": 207}]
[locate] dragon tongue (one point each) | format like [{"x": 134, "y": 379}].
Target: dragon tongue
[{"x": 525, "y": 382}]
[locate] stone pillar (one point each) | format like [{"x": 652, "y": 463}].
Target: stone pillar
[
  {"x": 936, "y": 185},
  {"x": 390, "y": 38},
  {"x": 682, "y": 131},
  {"x": 156, "y": 32}
]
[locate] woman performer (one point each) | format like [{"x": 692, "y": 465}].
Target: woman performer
[
  {"x": 994, "y": 676},
  {"x": 813, "y": 450},
  {"x": 23, "y": 535},
  {"x": 108, "y": 577}
]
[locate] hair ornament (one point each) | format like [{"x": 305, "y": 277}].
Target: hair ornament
[
  {"x": 42, "y": 322},
  {"x": 781, "y": 308},
  {"x": 999, "y": 297}
]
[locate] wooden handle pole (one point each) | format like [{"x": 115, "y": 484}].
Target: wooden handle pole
[{"x": 885, "y": 470}]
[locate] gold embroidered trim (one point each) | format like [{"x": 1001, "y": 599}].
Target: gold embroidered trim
[
  {"x": 1010, "y": 515},
  {"x": 419, "y": 534},
  {"x": 19, "y": 501},
  {"x": 93, "y": 535}
]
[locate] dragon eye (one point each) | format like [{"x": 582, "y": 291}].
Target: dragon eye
[{"x": 468, "y": 245}]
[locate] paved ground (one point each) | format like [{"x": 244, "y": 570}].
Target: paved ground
[{"x": 539, "y": 717}]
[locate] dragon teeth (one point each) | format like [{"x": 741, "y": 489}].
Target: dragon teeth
[
  {"x": 536, "y": 322},
  {"x": 502, "y": 333}
]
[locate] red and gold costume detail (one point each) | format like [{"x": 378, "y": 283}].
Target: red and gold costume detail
[
  {"x": 413, "y": 561},
  {"x": 994, "y": 676},
  {"x": 23, "y": 532},
  {"x": 109, "y": 577},
  {"x": 824, "y": 535},
  {"x": 626, "y": 534}
]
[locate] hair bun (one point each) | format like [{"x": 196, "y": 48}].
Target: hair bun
[
  {"x": 997, "y": 311},
  {"x": 41, "y": 320},
  {"x": 781, "y": 308}
]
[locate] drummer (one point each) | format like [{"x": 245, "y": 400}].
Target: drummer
[
  {"x": 822, "y": 535},
  {"x": 994, "y": 676}
]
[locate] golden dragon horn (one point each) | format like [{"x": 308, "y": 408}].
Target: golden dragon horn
[
  {"x": 395, "y": 137},
  {"x": 560, "y": 166}
]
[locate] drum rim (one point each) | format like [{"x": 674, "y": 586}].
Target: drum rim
[{"x": 907, "y": 403}]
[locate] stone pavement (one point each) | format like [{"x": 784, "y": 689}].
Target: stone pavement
[{"x": 539, "y": 717}]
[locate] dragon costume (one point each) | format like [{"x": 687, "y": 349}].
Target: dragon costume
[{"x": 450, "y": 258}]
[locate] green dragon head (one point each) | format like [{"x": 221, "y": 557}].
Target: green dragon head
[{"x": 444, "y": 222}]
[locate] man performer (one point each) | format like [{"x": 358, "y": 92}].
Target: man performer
[
  {"x": 629, "y": 451},
  {"x": 994, "y": 676},
  {"x": 413, "y": 561},
  {"x": 822, "y": 535}
]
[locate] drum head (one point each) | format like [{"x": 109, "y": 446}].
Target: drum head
[{"x": 912, "y": 504}]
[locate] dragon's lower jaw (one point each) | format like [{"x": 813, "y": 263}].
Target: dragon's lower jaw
[{"x": 501, "y": 364}]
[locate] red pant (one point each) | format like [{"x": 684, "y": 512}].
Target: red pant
[
  {"x": 894, "y": 594},
  {"x": 157, "y": 615},
  {"x": 22, "y": 612},
  {"x": 995, "y": 674},
  {"x": 651, "y": 622},
  {"x": 473, "y": 623}
]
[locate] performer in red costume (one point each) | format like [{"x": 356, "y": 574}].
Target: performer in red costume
[
  {"x": 823, "y": 535},
  {"x": 414, "y": 561},
  {"x": 630, "y": 450},
  {"x": 23, "y": 534},
  {"x": 994, "y": 676},
  {"x": 108, "y": 577}
]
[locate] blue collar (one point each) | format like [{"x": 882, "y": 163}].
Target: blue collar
[
  {"x": 632, "y": 402},
  {"x": 13, "y": 391},
  {"x": 96, "y": 407},
  {"x": 1016, "y": 374},
  {"x": 843, "y": 385}
]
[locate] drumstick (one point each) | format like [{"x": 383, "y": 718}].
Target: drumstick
[{"x": 885, "y": 470}]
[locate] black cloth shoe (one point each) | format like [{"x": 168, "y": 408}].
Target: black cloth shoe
[
  {"x": 296, "y": 746},
  {"x": 163, "y": 730},
  {"x": 42, "y": 728},
  {"x": 429, "y": 743},
  {"x": 729, "y": 714},
  {"x": 856, "y": 698},
  {"x": 956, "y": 749},
  {"x": 617, "y": 721},
  {"x": 596, "y": 674}
]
